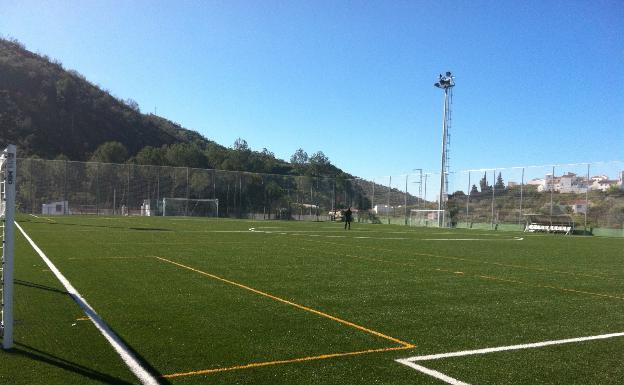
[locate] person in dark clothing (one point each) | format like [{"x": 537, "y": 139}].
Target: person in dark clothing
[{"x": 348, "y": 218}]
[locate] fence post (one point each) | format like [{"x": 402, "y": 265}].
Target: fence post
[
  {"x": 65, "y": 199},
  {"x": 521, "y": 196},
  {"x": 552, "y": 190},
  {"x": 586, "y": 201},
  {"x": 187, "y": 193},
  {"x": 405, "y": 198},
  {"x": 389, "y": 191},
  {"x": 493, "y": 196},
  {"x": 468, "y": 202},
  {"x": 97, "y": 188},
  {"x": 128, "y": 192}
]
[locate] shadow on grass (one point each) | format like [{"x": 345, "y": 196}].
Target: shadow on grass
[
  {"x": 39, "y": 286},
  {"x": 38, "y": 355},
  {"x": 47, "y": 358},
  {"x": 97, "y": 226}
]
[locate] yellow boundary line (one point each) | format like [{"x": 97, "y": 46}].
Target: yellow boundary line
[
  {"x": 289, "y": 361},
  {"x": 548, "y": 286},
  {"x": 262, "y": 293},
  {"x": 404, "y": 345},
  {"x": 485, "y": 277},
  {"x": 533, "y": 268}
]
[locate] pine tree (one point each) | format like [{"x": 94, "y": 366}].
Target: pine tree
[
  {"x": 485, "y": 188},
  {"x": 500, "y": 185}
]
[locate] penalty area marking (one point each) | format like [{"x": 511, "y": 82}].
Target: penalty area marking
[
  {"x": 403, "y": 345},
  {"x": 411, "y": 361},
  {"x": 126, "y": 355}
]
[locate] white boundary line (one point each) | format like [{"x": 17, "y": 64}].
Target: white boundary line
[
  {"x": 441, "y": 376},
  {"x": 129, "y": 359},
  {"x": 305, "y": 233},
  {"x": 433, "y": 373}
]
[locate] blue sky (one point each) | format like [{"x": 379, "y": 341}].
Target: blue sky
[{"x": 538, "y": 82}]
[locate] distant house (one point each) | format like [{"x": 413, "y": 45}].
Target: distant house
[
  {"x": 55, "y": 208},
  {"x": 537, "y": 182},
  {"x": 571, "y": 183},
  {"x": 602, "y": 183},
  {"x": 578, "y": 206},
  {"x": 549, "y": 183}
]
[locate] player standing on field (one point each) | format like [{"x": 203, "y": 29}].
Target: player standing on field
[{"x": 348, "y": 218}]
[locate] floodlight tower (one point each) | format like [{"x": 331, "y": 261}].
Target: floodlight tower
[{"x": 445, "y": 82}]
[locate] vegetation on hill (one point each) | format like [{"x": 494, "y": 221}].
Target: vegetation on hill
[{"x": 54, "y": 113}]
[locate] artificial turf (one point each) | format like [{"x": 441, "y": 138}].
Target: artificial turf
[{"x": 180, "y": 293}]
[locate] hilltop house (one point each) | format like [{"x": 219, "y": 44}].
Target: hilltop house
[{"x": 570, "y": 183}]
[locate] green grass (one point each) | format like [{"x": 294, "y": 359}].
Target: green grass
[{"x": 414, "y": 285}]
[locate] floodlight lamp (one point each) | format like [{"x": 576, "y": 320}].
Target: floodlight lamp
[{"x": 445, "y": 81}]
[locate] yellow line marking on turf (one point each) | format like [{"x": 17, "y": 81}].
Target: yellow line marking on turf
[
  {"x": 534, "y": 268},
  {"x": 82, "y": 319},
  {"x": 317, "y": 312},
  {"x": 487, "y": 277},
  {"x": 289, "y": 361},
  {"x": 549, "y": 286}
]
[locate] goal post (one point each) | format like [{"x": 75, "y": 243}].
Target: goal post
[
  {"x": 7, "y": 213},
  {"x": 187, "y": 207},
  {"x": 428, "y": 218}
]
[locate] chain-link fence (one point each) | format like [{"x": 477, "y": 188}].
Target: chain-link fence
[{"x": 592, "y": 194}]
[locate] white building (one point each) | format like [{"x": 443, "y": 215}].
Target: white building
[
  {"x": 55, "y": 208},
  {"x": 602, "y": 183},
  {"x": 571, "y": 183},
  {"x": 382, "y": 209},
  {"x": 579, "y": 207}
]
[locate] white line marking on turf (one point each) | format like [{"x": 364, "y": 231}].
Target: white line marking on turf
[
  {"x": 305, "y": 233},
  {"x": 38, "y": 217},
  {"x": 433, "y": 373},
  {"x": 410, "y": 361},
  {"x": 512, "y": 347},
  {"x": 129, "y": 359}
]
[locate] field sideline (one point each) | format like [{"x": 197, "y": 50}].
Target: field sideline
[{"x": 216, "y": 301}]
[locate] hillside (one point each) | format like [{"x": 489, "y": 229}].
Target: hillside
[{"x": 51, "y": 112}]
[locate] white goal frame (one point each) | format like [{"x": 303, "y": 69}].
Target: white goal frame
[
  {"x": 188, "y": 201},
  {"x": 7, "y": 213},
  {"x": 417, "y": 214}
]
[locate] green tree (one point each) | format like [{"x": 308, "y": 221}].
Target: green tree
[
  {"x": 485, "y": 188},
  {"x": 474, "y": 190},
  {"x": 149, "y": 155},
  {"x": 500, "y": 185},
  {"x": 110, "y": 152},
  {"x": 319, "y": 163},
  {"x": 185, "y": 155},
  {"x": 299, "y": 161}
]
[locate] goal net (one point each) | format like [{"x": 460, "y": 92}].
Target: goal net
[
  {"x": 183, "y": 207},
  {"x": 7, "y": 212},
  {"x": 428, "y": 218}
]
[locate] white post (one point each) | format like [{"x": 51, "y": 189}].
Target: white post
[
  {"x": 493, "y": 196},
  {"x": 468, "y": 202},
  {"x": 521, "y": 196},
  {"x": 7, "y": 261}
]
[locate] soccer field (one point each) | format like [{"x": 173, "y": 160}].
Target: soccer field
[{"x": 216, "y": 301}]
